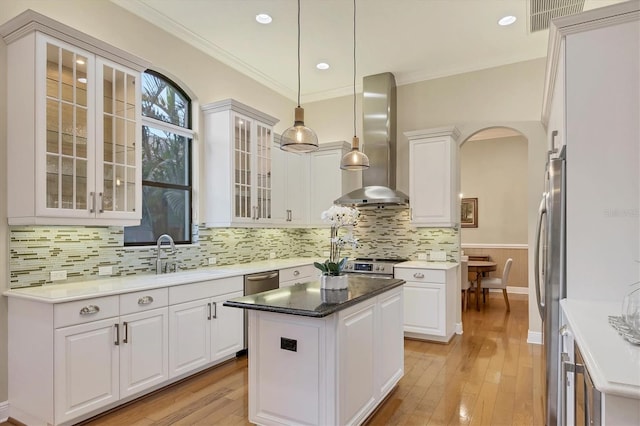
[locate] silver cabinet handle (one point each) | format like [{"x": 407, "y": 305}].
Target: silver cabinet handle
[
  {"x": 418, "y": 275},
  {"x": 125, "y": 325},
  {"x": 564, "y": 331},
  {"x": 215, "y": 310},
  {"x": 92, "y": 197},
  {"x": 90, "y": 309},
  {"x": 289, "y": 216},
  {"x": 296, "y": 273},
  {"x": 117, "y": 342},
  {"x": 101, "y": 203},
  {"x": 145, "y": 300},
  {"x": 209, "y": 305},
  {"x": 262, "y": 277}
]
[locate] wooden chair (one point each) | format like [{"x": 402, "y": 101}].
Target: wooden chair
[
  {"x": 465, "y": 285},
  {"x": 499, "y": 283}
]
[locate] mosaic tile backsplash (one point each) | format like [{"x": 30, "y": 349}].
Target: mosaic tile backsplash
[{"x": 35, "y": 251}]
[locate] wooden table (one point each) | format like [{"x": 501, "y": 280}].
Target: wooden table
[{"x": 480, "y": 266}]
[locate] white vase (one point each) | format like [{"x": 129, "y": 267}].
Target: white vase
[{"x": 334, "y": 282}]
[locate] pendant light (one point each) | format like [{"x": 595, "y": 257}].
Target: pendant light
[
  {"x": 299, "y": 138},
  {"x": 355, "y": 159}
]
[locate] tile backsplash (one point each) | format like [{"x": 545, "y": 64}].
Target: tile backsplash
[{"x": 35, "y": 251}]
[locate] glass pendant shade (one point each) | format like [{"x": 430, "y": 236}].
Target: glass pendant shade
[
  {"x": 354, "y": 159},
  {"x": 299, "y": 138}
]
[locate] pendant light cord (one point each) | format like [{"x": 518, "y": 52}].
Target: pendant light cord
[
  {"x": 354, "y": 68},
  {"x": 298, "y": 53}
]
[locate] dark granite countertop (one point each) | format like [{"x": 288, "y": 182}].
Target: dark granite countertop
[{"x": 307, "y": 299}]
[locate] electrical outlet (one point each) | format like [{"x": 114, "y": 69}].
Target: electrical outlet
[
  {"x": 212, "y": 261},
  {"x": 422, "y": 256},
  {"x": 105, "y": 270},
  {"x": 438, "y": 255},
  {"x": 58, "y": 275},
  {"x": 272, "y": 255}
]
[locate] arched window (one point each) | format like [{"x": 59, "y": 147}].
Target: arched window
[{"x": 166, "y": 163}]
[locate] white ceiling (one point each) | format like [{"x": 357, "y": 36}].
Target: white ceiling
[{"x": 414, "y": 39}]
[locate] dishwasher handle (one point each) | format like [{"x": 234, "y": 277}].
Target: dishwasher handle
[{"x": 262, "y": 277}]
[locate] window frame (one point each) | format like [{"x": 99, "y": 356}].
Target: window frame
[{"x": 185, "y": 132}]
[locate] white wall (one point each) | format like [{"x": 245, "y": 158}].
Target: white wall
[{"x": 495, "y": 171}]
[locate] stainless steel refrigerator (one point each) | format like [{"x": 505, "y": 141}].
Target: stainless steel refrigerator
[{"x": 550, "y": 264}]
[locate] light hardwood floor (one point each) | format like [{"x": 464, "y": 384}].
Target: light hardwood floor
[{"x": 487, "y": 376}]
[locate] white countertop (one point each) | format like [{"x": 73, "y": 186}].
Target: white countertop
[
  {"x": 613, "y": 363},
  {"x": 423, "y": 264},
  {"x": 57, "y": 293}
]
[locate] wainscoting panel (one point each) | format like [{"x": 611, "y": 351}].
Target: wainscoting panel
[{"x": 519, "y": 275}]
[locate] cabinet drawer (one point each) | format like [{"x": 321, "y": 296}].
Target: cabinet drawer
[
  {"x": 86, "y": 310},
  {"x": 298, "y": 273},
  {"x": 188, "y": 292},
  {"x": 420, "y": 275},
  {"x": 143, "y": 300}
]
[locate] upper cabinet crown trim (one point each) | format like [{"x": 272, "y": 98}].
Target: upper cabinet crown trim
[
  {"x": 437, "y": 131},
  {"x": 559, "y": 28},
  {"x": 30, "y": 21},
  {"x": 239, "y": 107}
]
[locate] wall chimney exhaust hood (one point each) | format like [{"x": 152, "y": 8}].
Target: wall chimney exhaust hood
[{"x": 379, "y": 131}]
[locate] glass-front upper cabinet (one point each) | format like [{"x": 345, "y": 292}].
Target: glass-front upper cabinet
[
  {"x": 237, "y": 173},
  {"x": 74, "y": 126}
]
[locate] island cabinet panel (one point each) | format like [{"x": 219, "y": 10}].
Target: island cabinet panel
[
  {"x": 356, "y": 367},
  {"x": 331, "y": 370}
]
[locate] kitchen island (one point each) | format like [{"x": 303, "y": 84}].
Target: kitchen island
[{"x": 322, "y": 357}]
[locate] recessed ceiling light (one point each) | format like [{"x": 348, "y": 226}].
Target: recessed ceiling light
[
  {"x": 507, "y": 20},
  {"x": 263, "y": 18},
  {"x": 322, "y": 66}
]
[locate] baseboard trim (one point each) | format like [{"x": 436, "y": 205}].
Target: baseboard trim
[
  {"x": 534, "y": 337},
  {"x": 458, "y": 329},
  {"x": 4, "y": 411}
]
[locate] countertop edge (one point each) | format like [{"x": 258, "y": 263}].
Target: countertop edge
[
  {"x": 593, "y": 364},
  {"x": 393, "y": 283},
  {"x": 423, "y": 264}
]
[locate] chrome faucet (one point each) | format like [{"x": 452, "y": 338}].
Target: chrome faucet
[{"x": 161, "y": 238}]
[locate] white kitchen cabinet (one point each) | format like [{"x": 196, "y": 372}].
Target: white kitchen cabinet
[
  {"x": 429, "y": 302},
  {"x": 201, "y": 330},
  {"x": 74, "y": 128},
  {"x": 238, "y": 144},
  {"x": 433, "y": 183},
  {"x": 328, "y": 182},
  {"x": 86, "y": 370},
  {"x": 290, "y": 186},
  {"x": 297, "y": 275}
]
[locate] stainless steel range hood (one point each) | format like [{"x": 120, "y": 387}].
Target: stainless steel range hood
[{"x": 379, "y": 131}]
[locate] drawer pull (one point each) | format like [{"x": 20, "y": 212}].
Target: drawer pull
[
  {"x": 296, "y": 273},
  {"x": 418, "y": 275},
  {"x": 145, "y": 300},
  {"x": 90, "y": 309}
]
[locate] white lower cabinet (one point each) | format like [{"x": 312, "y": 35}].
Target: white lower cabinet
[
  {"x": 297, "y": 275},
  {"x": 203, "y": 331},
  {"x": 69, "y": 361},
  {"x": 335, "y": 370},
  {"x": 429, "y": 302}
]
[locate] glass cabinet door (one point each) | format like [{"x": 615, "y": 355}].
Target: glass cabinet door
[
  {"x": 243, "y": 152},
  {"x": 263, "y": 168},
  {"x": 119, "y": 131},
  {"x": 68, "y": 122}
]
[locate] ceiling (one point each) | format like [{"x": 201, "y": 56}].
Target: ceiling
[{"x": 414, "y": 39}]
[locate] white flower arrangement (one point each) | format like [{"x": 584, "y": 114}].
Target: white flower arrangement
[{"x": 339, "y": 217}]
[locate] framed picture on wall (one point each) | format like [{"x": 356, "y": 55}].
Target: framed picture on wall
[{"x": 469, "y": 213}]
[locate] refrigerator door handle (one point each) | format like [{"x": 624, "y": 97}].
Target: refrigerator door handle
[{"x": 542, "y": 212}]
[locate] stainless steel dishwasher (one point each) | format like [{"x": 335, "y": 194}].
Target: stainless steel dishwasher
[{"x": 257, "y": 283}]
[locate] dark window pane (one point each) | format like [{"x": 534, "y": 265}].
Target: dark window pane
[
  {"x": 164, "y": 211},
  {"x": 163, "y": 101},
  {"x": 165, "y": 157}
]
